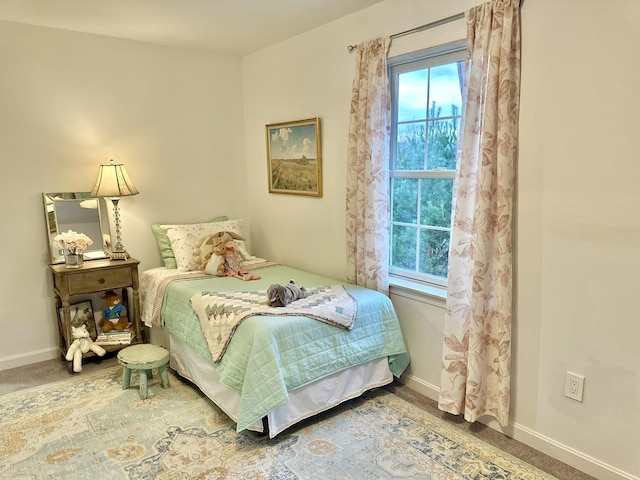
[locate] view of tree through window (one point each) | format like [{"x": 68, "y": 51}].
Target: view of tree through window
[{"x": 426, "y": 112}]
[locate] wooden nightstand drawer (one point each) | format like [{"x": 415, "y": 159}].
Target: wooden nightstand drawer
[{"x": 105, "y": 279}]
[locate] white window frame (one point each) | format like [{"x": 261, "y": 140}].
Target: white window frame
[{"x": 443, "y": 54}]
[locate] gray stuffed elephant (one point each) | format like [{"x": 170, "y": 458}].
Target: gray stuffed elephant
[{"x": 282, "y": 295}]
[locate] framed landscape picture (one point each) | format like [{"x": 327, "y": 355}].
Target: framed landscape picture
[{"x": 294, "y": 159}]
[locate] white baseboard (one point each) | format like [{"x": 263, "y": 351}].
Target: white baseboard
[
  {"x": 568, "y": 455},
  {"x": 420, "y": 386},
  {"x": 585, "y": 463},
  {"x": 28, "y": 358}
]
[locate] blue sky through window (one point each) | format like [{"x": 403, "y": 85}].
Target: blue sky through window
[{"x": 417, "y": 92}]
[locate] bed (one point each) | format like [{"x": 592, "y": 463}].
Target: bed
[{"x": 275, "y": 370}]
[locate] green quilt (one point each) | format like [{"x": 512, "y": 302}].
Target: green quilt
[{"x": 270, "y": 355}]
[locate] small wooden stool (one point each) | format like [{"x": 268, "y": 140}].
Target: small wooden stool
[{"x": 144, "y": 357}]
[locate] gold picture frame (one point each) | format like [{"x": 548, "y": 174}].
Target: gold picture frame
[{"x": 294, "y": 157}]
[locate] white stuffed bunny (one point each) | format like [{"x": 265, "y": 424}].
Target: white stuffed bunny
[{"x": 81, "y": 344}]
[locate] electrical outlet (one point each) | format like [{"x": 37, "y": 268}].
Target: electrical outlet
[{"x": 574, "y": 386}]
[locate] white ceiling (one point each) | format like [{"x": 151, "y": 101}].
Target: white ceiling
[{"x": 233, "y": 27}]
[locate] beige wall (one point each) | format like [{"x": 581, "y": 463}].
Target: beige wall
[
  {"x": 71, "y": 101},
  {"x": 577, "y": 230},
  {"x": 310, "y": 76},
  {"x": 578, "y": 237},
  {"x": 172, "y": 116}
]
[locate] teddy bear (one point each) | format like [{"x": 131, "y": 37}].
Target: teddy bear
[
  {"x": 281, "y": 295},
  {"x": 82, "y": 343},
  {"x": 230, "y": 260},
  {"x": 115, "y": 315}
]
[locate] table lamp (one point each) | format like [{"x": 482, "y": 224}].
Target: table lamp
[{"x": 113, "y": 182}]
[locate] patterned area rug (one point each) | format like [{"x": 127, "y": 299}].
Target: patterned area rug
[{"x": 89, "y": 427}]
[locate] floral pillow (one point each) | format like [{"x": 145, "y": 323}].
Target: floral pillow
[
  {"x": 164, "y": 244},
  {"x": 187, "y": 239}
]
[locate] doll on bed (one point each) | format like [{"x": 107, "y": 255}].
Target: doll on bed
[{"x": 231, "y": 262}]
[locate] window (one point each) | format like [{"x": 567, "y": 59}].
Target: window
[{"x": 426, "y": 95}]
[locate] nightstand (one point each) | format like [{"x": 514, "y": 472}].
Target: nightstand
[{"x": 96, "y": 276}]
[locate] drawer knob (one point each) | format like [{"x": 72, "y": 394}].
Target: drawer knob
[{"x": 101, "y": 280}]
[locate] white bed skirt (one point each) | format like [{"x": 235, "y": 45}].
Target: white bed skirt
[{"x": 303, "y": 402}]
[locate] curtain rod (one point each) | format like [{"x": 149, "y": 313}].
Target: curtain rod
[{"x": 426, "y": 26}]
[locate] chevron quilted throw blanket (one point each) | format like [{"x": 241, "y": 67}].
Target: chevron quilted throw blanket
[{"x": 220, "y": 313}]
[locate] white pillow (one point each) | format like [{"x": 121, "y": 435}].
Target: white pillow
[{"x": 186, "y": 240}]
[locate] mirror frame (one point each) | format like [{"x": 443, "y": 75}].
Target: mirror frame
[{"x": 96, "y": 251}]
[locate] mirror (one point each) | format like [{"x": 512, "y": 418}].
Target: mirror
[{"x": 82, "y": 213}]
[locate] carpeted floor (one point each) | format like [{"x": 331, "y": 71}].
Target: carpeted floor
[{"x": 55, "y": 370}]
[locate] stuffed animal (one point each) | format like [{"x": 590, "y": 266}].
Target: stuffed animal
[
  {"x": 281, "y": 295},
  {"x": 231, "y": 258},
  {"x": 115, "y": 315},
  {"x": 205, "y": 258},
  {"x": 82, "y": 343}
]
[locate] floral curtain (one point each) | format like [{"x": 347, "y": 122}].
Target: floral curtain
[
  {"x": 368, "y": 169},
  {"x": 475, "y": 378}
]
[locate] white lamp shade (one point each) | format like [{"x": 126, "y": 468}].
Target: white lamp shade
[{"x": 113, "y": 181}]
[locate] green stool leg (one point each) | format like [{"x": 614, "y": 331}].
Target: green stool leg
[
  {"x": 126, "y": 378},
  {"x": 162, "y": 370},
  {"x": 143, "y": 384},
  {"x": 150, "y": 373}
]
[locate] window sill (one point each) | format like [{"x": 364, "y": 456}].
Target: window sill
[{"x": 418, "y": 291}]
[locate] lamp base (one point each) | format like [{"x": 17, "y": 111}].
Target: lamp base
[{"x": 120, "y": 254}]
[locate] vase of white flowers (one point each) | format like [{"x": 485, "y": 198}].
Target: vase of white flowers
[
  {"x": 71, "y": 245},
  {"x": 73, "y": 260}
]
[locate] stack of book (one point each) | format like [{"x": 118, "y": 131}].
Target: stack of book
[{"x": 116, "y": 337}]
